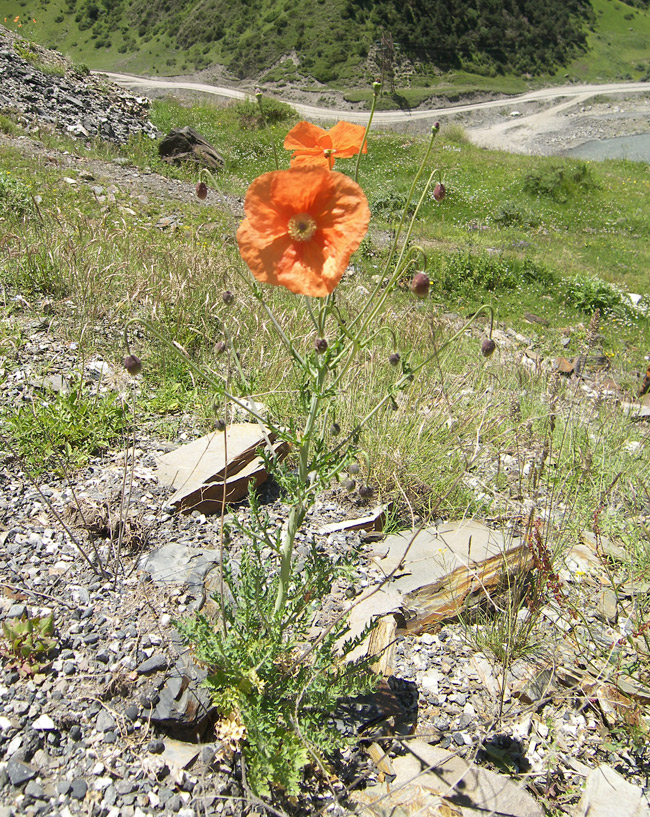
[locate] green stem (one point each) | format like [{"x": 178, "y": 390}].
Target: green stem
[
  {"x": 376, "y": 88},
  {"x": 299, "y": 506}
]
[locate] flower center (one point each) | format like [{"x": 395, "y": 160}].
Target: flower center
[{"x": 301, "y": 227}]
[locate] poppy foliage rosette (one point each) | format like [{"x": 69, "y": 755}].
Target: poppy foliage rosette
[
  {"x": 301, "y": 227},
  {"x": 312, "y": 145}
]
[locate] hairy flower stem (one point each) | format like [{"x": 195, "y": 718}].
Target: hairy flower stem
[
  {"x": 375, "y": 97},
  {"x": 300, "y": 505}
]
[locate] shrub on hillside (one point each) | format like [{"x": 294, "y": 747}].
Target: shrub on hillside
[
  {"x": 467, "y": 272},
  {"x": 588, "y": 293},
  {"x": 250, "y": 116},
  {"x": 560, "y": 182}
]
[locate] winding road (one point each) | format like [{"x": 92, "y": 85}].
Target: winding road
[{"x": 572, "y": 94}]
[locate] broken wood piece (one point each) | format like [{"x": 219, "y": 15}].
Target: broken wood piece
[
  {"x": 381, "y": 643},
  {"x": 465, "y": 590},
  {"x": 382, "y": 761},
  {"x": 375, "y": 520}
]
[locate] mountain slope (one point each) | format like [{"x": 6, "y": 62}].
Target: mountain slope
[{"x": 331, "y": 39}]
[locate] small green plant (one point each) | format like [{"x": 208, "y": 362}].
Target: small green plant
[
  {"x": 588, "y": 293},
  {"x": 560, "y": 182},
  {"x": 64, "y": 430},
  {"x": 465, "y": 272},
  {"x": 15, "y": 199},
  {"x": 253, "y": 116},
  {"x": 269, "y": 682},
  {"x": 512, "y": 213},
  {"x": 30, "y": 641}
]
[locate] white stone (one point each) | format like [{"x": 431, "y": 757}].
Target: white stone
[{"x": 44, "y": 724}]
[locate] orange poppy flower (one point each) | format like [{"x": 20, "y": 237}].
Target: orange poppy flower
[
  {"x": 301, "y": 227},
  {"x": 312, "y": 145}
]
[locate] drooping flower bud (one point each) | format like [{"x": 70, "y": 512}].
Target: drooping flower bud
[
  {"x": 221, "y": 347},
  {"x": 439, "y": 191},
  {"x": 366, "y": 491},
  {"x": 132, "y": 364},
  {"x": 320, "y": 346},
  {"x": 394, "y": 358},
  {"x": 335, "y": 429},
  {"x": 220, "y": 424},
  {"x": 420, "y": 285},
  {"x": 487, "y": 347},
  {"x": 228, "y": 297},
  {"x": 354, "y": 468},
  {"x": 201, "y": 190},
  {"x": 349, "y": 485}
]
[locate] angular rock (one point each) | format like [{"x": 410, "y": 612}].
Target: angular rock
[
  {"x": 608, "y": 794},
  {"x": 153, "y": 664},
  {"x": 209, "y": 497},
  {"x": 187, "y": 145},
  {"x": 197, "y": 470},
  {"x": 19, "y": 772},
  {"x": 185, "y": 709},
  {"x": 470, "y": 789}
]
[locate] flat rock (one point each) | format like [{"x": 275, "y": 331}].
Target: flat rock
[
  {"x": 196, "y": 471},
  {"x": 470, "y": 789},
  {"x": 179, "y": 754},
  {"x": 209, "y": 498},
  {"x": 176, "y": 564},
  {"x": 422, "y": 557},
  {"x": 608, "y": 794}
]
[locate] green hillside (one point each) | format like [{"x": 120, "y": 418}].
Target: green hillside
[{"x": 348, "y": 43}]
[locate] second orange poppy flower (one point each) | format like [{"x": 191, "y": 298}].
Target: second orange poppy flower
[{"x": 312, "y": 145}]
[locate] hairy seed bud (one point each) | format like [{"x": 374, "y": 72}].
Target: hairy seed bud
[
  {"x": 394, "y": 359},
  {"x": 349, "y": 485},
  {"x": 420, "y": 285},
  {"x": 320, "y": 345},
  {"x": 354, "y": 468},
  {"x": 439, "y": 191},
  {"x": 220, "y": 424},
  {"x": 366, "y": 491},
  {"x": 221, "y": 347},
  {"x": 201, "y": 190},
  {"x": 228, "y": 297},
  {"x": 487, "y": 347},
  {"x": 335, "y": 429},
  {"x": 132, "y": 364}
]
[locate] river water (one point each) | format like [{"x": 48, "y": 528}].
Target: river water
[{"x": 636, "y": 148}]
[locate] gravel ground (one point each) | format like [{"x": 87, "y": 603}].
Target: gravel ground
[{"x": 103, "y": 729}]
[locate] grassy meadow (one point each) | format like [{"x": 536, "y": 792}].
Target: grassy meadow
[{"x": 554, "y": 237}]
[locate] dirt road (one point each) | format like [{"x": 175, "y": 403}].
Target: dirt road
[{"x": 544, "y": 121}]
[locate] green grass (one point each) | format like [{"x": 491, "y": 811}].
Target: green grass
[
  {"x": 524, "y": 234},
  {"x": 617, "y": 47}
]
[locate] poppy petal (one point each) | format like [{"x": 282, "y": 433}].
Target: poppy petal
[
  {"x": 309, "y": 266},
  {"x": 347, "y": 138}
]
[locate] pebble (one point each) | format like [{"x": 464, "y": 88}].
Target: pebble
[{"x": 79, "y": 788}]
